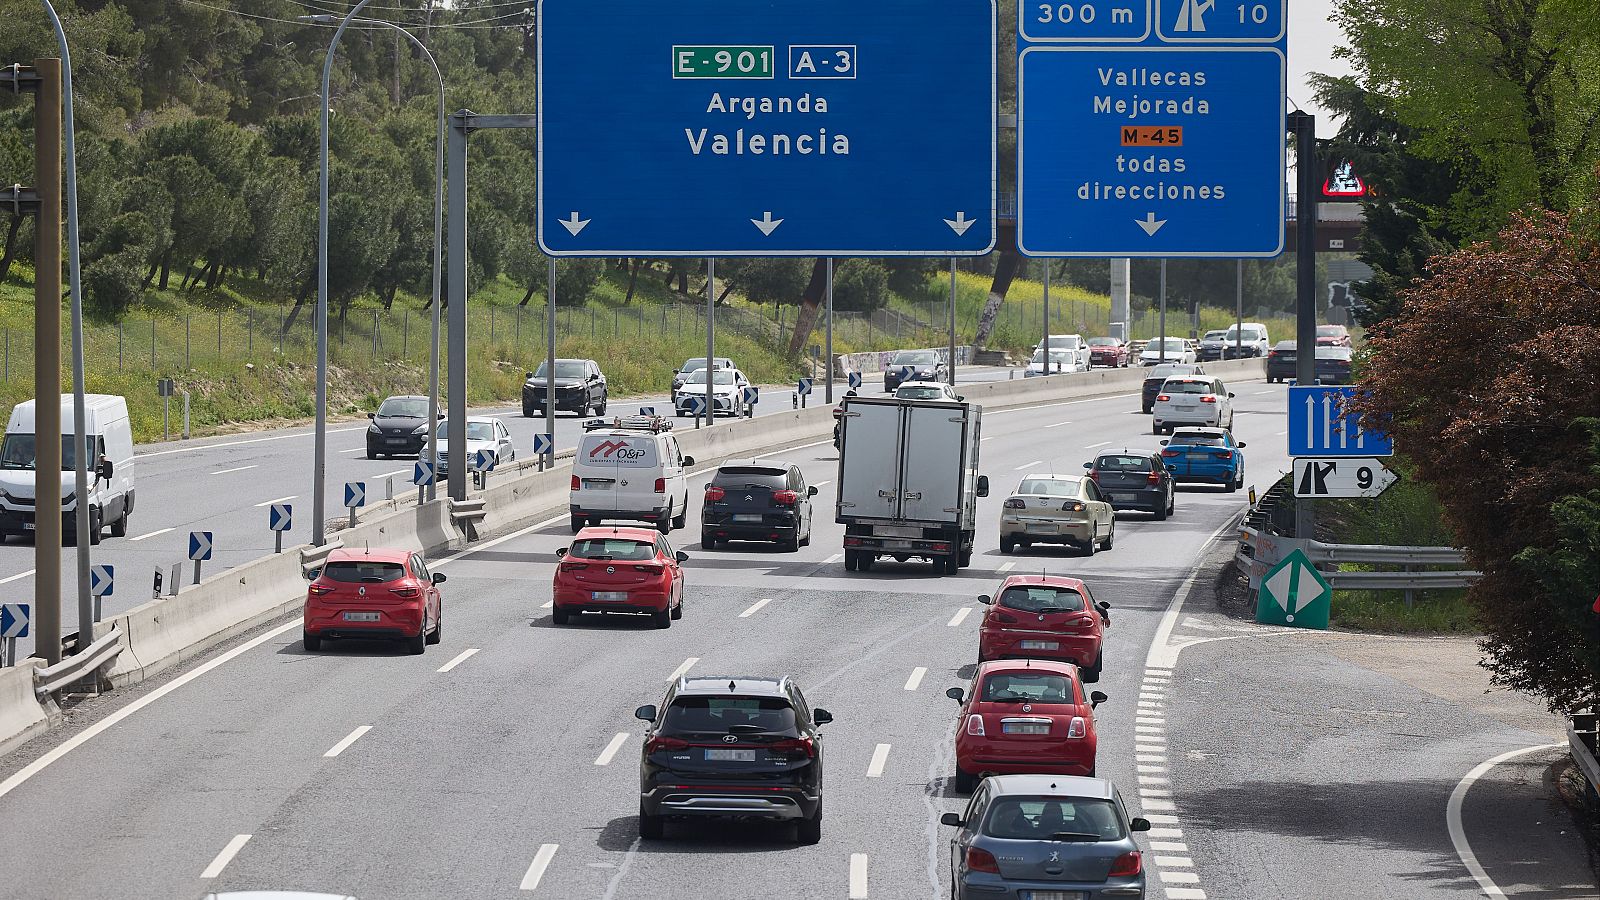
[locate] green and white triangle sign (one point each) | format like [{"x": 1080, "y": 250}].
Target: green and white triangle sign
[{"x": 1294, "y": 593}]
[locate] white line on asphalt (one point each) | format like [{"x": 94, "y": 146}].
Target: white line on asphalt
[
  {"x": 755, "y": 607},
  {"x": 1164, "y": 832},
  {"x": 1152, "y": 695},
  {"x": 158, "y": 531},
  {"x": 279, "y": 437},
  {"x": 1101, "y": 444},
  {"x": 21, "y": 575},
  {"x": 1174, "y": 893},
  {"x": 1028, "y": 465},
  {"x": 880, "y": 758},
  {"x": 465, "y": 654},
  {"x": 820, "y": 484},
  {"x": 352, "y": 450},
  {"x": 679, "y": 671},
  {"x": 548, "y": 604},
  {"x": 226, "y": 856},
  {"x": 1152, "y": 768},
  {"x": 858, "y": 876},
  {"x": 1458, "y": 833},
  {"x": 1150, "y": 757},
  {"x": 1150, "y": 720},
  {"x": 1149, "y": 729},
  {"x": 1058, "y": 424},
  {"x": 1281, "y": 434},
  {"x": 278, "y": 500},
  {"x": 541, "y": 861},
  {"x": 915, "y": 681},
  {"x": 959, "y": 617},
  {"x": 1167, "y": 805},
  {"x": 833, "y": 559},
  {"x": 229, "y": 471},
  {"x": 1142, "y": 745},
  {"x": 1162, "y": 820},
  {"x": 349, "y": 739},
  {"x": 1176, "y": 862},
  {"x": 1170, "y": 846},
  {"x": 1158, "y": 793},
  {"x": 606, "y": 755},
  {"x": 1262, "y": 393},
  {"x": 1161, "y": 656},
  {"x": 392, "y": 474},
  {"x": 1006, "y": 567},
  {"x": 1154, "y": 779},
  {"x": 1179, "y": 878}
]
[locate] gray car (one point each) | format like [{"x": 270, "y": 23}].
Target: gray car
[{"x": 1045, "y": 837}]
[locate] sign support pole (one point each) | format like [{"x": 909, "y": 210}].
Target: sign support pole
[
  {"x": 711, "y": 338},
  {"x": 1238, "y": 311},
  {"x": 1161, "y": 332},
  {"x": 1045, "y": 366},
  {"x": 47, "y": 354},
  {"x": 828, "y": 293},
  {"x": 456, "y": 405},
  {"x": 1304, "y": 126},
  {"x": 950, "y": 371}
]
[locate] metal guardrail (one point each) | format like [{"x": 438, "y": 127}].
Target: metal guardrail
[
  {"x": 1400, "y": 581},
  {"x": 1384, "y": 554},
  {"x": 1260, "y": 550},
  {"x": 467, "y": 510},
  {"x": 1583, "y": 738},
  {"x": 76, "y": 668}
]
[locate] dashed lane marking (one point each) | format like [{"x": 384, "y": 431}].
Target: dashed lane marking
[
  {"x": 880, "y": 758},
  {"x": 461, "y": 658},
  {"x": 349, "y": 739},
  {"x": 277, "y": 500},
  {"x": 21, "y": 575},
  {"x": 541, "y": 861},
  {"x": 232, "y": 470},
  {"x": 755, "y": 607},
  {"x": 158, "y": 532},
  {"x": 960, "y": 616},
  {"x": 858, "y": 876},
  {"x": 681, "y": 670},
  {"x": 610, "y": 752},
  {"x": 226, "y": 856},
  {"x": 915, "y": 681}
]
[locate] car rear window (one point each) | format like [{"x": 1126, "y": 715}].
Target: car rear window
[
  {"x": 918, "y": 393},
  {"x": 404, "y": 407},
  {"x": 1330, "y": 331},
  {"x": 1168, "y": 371},
  {"x": 1123, "y": 463},
  {"x": 1042, "y": 687},
  {"x": 363, "y": 571},
  {"x": 623, "y": 549},
  {"x": 1042, "y": 598},
  {"x": 1186, "y": 387},
  {"x": 729, "y": 715},
  {"x": 751, "y": 476},
  {"x": 1041, "y": 818},
  {"x": 1102, "y": 342},
  {"x": 1199, "y": 440},
  {"x": 1048, "y": 487}
]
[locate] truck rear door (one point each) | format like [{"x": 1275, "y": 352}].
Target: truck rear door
[
  {"x": 869, "y": 461},
  {"x": 932, "y": 477}
]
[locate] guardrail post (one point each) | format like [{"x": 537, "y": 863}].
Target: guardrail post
[{"x": 1411, "y": 595}]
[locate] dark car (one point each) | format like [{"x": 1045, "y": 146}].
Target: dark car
[
  {"x": 913, "y": 365},
  {"x": 1333, "y": 364},
  {"x": 734, "y": 747},
  {"x": 397, "y": 427},
  {"x": 1205, "y": 456},
  {"x": 1281, "y": 362},
  {"x": 755, "y": 501},
  {"x": 1134, "y": 480},
  {"x": 1158, "y": 376},
  {"x": 580, "y": 387}
]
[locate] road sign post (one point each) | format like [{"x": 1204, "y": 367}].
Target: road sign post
[
  {"x": 482, "y": 463},
  {"x": 802, "y": 389},
  {"x": 199, "y": 551},
  {"x": 422, "y": 475},
  {"x": 102, "y": 583},
  {"x": 355, "y": 497},
  {"x": 752, "y": 396},
  {"x": 1320, "y": 424},
  {"x": 15, "y": 619},
  {"x": 280, "y": 519},
  {"x": 155, "y": 587},
  {"x": 1346, "y": 478},
  {"x": 854, "y": 380},
  {"x": 1295, "y": 594}
]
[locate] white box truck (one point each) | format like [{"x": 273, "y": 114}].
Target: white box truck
[
  {"x": 109, "y": 440},
  {"x": 908, "y": 481}
]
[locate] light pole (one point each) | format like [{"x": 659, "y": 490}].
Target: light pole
[{"x": 438, "y": 243}]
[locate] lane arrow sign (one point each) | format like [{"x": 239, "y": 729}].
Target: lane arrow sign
[
  {"x": 767, "y": 223},
  {"x": 574, "y": 224},
  {"x": 1150, "y": 224},
  {"x": 960, "y": 224}
]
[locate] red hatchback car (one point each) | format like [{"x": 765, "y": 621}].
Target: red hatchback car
[
  {"x": 1024, "y": 716},
  {"x": 374, "y": 594},
  {"x": 1045, "y": 617},
  {"x": 620, "y": 570}
]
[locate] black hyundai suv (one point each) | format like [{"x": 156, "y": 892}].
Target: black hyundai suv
[
  {"x": 755, "y": 501},
  {"x": 730, "y": 746},
  {"x": 579, "y": 384}
]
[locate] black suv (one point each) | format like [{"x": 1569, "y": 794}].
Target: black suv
[
  {"x": 1134, "y": 479},
  {"x": 580, "y": 387},
  {"x": 398, "y": 427},
  {"x": 741, "y": 747},
  {"x": 755, "y": 501}
]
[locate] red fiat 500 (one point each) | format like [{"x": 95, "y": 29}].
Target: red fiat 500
[
  {"x": 630, "y": 570},
  {"x": 1045, "y": 617},
  {"x": 1024, "y": 716},
  {"x": 374, "y": 594}
]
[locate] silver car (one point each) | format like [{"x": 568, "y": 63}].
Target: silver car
[{"x": 1045, "y": 837}]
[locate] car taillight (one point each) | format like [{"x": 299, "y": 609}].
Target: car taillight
[
  {"x": 1163, "y": 397},
  {"x": 406, "y": 592},
  {"x": 796, "y": 748},
  {"x": 1272, "y": 354},
  {"x": 1170, "y": 451},
  {"x": 982, "y": 861},
  {"x": 1094, "y": 475},
  {"x": 1073, "y": 506},
  {"x": 576, "y": 484},
  {"x": 660, "y": 742},
  {"x": 975, "y": 725},
  {"x": 648, "y": 570},
  {"x": 715, "y": 494},
  {"x": 1004, "y": 619},
  {"x": 574, "y": 567},
  {"x": 661, "y": 485},
  {"x": 319, "y": 590},
  {"x": 785, "y": 498},
  {"x": 1014, "y": 503},
  {"x": 1130, "y": 863},
  {"x": 1153, "y": 478},
  {"x": 1079, "y": 727},
  {"x": 1208, "y": 399},
  {"x": 1224, "y": 454}
]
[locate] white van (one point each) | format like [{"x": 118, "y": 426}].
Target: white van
[
  {"x": 631, "y": 469},
  {"x": 110, "y": 440},
  {"x": 1252, "y": 339}
]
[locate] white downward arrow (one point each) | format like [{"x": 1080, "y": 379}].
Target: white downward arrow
[
  {"x": 574, "y": 224},
  {"x": 767, "y": 223},
  {"x": 1150, "y": 224},
  {"x": 960, "y": 223}
]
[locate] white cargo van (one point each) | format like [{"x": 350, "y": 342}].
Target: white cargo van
[
  {"x": 630, "y": 469},
  {"x": 109, "y": 439}
]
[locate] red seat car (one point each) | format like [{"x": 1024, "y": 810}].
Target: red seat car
[
  {"x": 610, "y": 569},
  {"x": 374, "y": 594},
  {"x": 1108, "y": 351},
  {"x": 1045, "y": 617},
  {"x": 1024, "y": 716}
]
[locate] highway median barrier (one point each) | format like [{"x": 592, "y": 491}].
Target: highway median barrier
[{"x": 22, "y": 716}]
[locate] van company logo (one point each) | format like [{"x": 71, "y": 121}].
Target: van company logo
[{"x": 619, "y": 449}]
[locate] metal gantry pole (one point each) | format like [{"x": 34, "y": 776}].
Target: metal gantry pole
[
  {"x": 1238, "y": 311},
  {"x": 457, "y": 415},
  {"x": 711, "y": 337},
  {"x": 47, "y": 356},
  {"x": 550, "y": 363},
  {"x": 1161, "y": 332},
  {"x": 828, "y": 297},
  {"x": 1304, "y": 126},
  {"x": 950, "y": 371}
]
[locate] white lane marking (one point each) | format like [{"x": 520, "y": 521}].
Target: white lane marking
[
  {"x": 280, "y": 437},
  {"x": 353, "y": 450},
  {"x": 1161, "y": 656},
  {"x": 1282, "y": 434},
  {"x": 21, "y": 575},
  {"x": 1150, "y": 757},
  {"x": 1006, "y": 567},
  {"x": 1150, "y": 720},
  {"x": 230, "y": 471},
  {"x": 755, "y": 607},
  {"x": 158, "y": 531},
  {"x": 960, "y": 616},
  {"x": 915, "y": 681},
  {"x": 833, "y": 559},
  {"x": 1262, "y": 393},
  {"x": 1166, "y": 805},
  {"x": 226, "y": 856},
  {"x": 1170, "y": 846},
  {"x": 349, "y": 739},
  {"x": 681, "y": 670},
  {"x": 1458, "y": 833},
  {"x": 1158, "y": 793},
  {"x": 1058, "y": 424},
  {"x": 1162, "y": 820},
  {"x": 1152, "y": 768},
  {"x": 1176, "y": 862},
  {"x": 1174, "y": 893},
  {"x": 880, "y": 758},
  {"x": 1148, "y": 729},
  {"x": 541, "y": 861},
  {"x": 1154, "y": 779},
  {"x": 1101, "y": 444},
  {"x": 820, "y": 484},
  {"x": 858, "y": 876},
  {"x": 548, "y": 604},
  {"x": 394, "y": 473},
  {"x": 1165, "y": 832},
  {"x": 606, "y": 755},
  {"x": 278, "y": 500},
  {"x": 1179, "y": 878},
  {"x": 463, "y": 657},
  {"x": 1029, "y": 465}
]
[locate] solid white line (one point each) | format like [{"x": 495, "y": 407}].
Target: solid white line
[
  {"x": 349, "y": 739},
  {"x": 21, "y": 575},
  {"x": 880, "y": 758},
  {"x": 915, "y": 681},
  {"x": 858, "y": 876},
  {"x": 1058, "y": 424},
  {"x": 1458, "y": 833},
  {"x": 755, "y": 607},
  {"x": 541, "y": 861},
  {"x": 279, "y": 500},
  {"x": 606, "y": 755},
  {"x": 1101, "y": 444},
  {"x": 1162, "y": 656},
  {"x": 458, "y": 660},
  {"x": 1028, "y": 465},
  {"x": 681, "y": 670},
  {"x": 960, "y": 616},
  {"x": 226, "y": 856},
  {"x": 1006, "y": 567},
  {"x": 228, "y": 471},
  {"x": 152, "y": 534},
  {"x": 833, "y": 559},
  {"x": 280, "y": 437}
]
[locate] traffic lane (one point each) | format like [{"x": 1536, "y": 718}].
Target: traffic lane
[{"x": 1523, "y": 833}]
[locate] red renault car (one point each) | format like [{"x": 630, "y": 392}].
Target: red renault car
[
  {"x": 610, "y": 569},
  {"x": 373, "y": 595},
  {"x": 1045, "y": 617},
  {"x": 1024, "y": 716}
]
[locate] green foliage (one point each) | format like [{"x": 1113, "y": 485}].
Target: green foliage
[
  {"x": 576, "y": 280},
  {"x": 777, "y": 280},
  {"x": 860, "y": 285}
]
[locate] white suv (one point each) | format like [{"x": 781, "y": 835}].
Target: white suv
[
  {"x": 631, "y": 470},
  {"x": 1194, "y": 400}
]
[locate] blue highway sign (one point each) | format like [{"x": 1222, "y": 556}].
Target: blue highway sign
[
  {"x": 14, "y": 620},
  {"x": 199, "y": 545},
  {"x": 355, "y": 494},
  {"x": 423, "y": 473},
  {"x": 102, "y": 579},
  {"x": 544, "y": 443},
  {"x": 695, "y": 404},
  {"x": 281, "y": 517},
  {"x": 854, "y": 379},
  {"x": 1152, "y": 138},
  {"x": 734, "y": 128},
  {"x": 804, "y": 387},
  {"x": 752, "y": 395},
  {"x": 1320, "y": 426}
]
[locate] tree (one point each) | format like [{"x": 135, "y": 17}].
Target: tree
[{"x": 860, "y": 285}]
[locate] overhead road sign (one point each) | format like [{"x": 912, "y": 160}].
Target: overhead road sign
[
  {"x": 731, "y": 128},
  {"x": 1354, "y": 478},
  {"x": 1320, "y": 424},
  {"x": 1294, "y": 593},
  {"x": 1152, "y": 129}
]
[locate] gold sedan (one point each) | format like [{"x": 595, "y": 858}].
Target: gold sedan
[{"x": 1057, "y": 509}]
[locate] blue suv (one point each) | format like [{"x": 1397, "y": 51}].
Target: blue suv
[{"x": 1205, "y": 456}]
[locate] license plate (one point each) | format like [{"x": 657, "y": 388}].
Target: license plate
[
  {"x": 610, "y": 595},
  {"x": 397, "y": 440},
  {"x": 598, "y": 483},
  {"x": 1199, "y": 456},
  {"x": 1125, "y": 498},
  {"x": 1041, "y": 645},
  {"x": 360, "y": 617},
  {"x": 1054, "y": 895},
  {"x": 718, "y": 754},
  {"x": 1041, "y": 529},
  {"x": 897, "y": 531},
  {"x": 28, "y": 526},
  {"x": 1024, "y": 728},
  {"x": 897, "y": 545},
  {"x": 749, "y": 518}
]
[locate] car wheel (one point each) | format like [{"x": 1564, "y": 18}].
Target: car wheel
[
  {"x": 665, "y": 524},
  {"x": 651, "y": 828},
  {"x": 1111, "y": 537},
  {"x": 965, "y": 559},
  {"x": 527, "y": 411},
  {"x": 681, "y": 520},
  {"x": 577, "y": 524},
  {"x": 119, "y": 528},
  {"x": 559, "y": 615},
  {"x": 1155, "y": 429},
  {"x": 437, "y": 634},
  {"x": 95, "y": 526},
  {"x": 1007, "y": 545},
  {"x": 1092, "y": 673},
  {"x": 312, "y": 642},
  {"x": 1235, "y": 483},
  {"x": 601, "y": 409},
  {"x": 708, "y": 541},
  {"x": 418, "y": 644},
  {"x": 809, "y": 830},
  {"x": 1172, "y": 502},
  {"x": 1163, "y": 511},
  {"x": 662, "y": 619},
  {"x": 852, "y": 560},
  {"x": 865, "y": 560},
  {"x": 677, "y": 611},
  {"x": 965, "y": 783},
  {"x": 790, "y": 546},
  {"x": 1090, "y": 546},
  {"x": 1146, "y": 408}
]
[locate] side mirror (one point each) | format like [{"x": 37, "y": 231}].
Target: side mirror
[
  {"x": 372, "y": 415},
  {"x": 104, "y": 469},
  {"x": 956, "y": 694},
  {"x": 530, "y": 375},
  {"x": 682, "y": 556},
  {"x": 1163, "y": 443},
  {"x": 438, "y": 578},
  {"x": 955, "y": 821},
  {"x": 961, "y": 398},
  {"x": 688, "y": 460},
  {"x": 313, "y": 574},
  {"x": 562, "y": 552},
  {"x": 821, "y": 716},
  {"x": 1097, "y": 698},
  {"x": 676, "y": 371},
  {"x": 646, "y": 712},
  {"x": 441, "y": 415},
  {"x": 985, "y": 599},
  {"x": 1103, "y": 605},
  {"x": 1243, "y": 445},
  {"x": 812, "y": 491},
  {"x": 1139, "y": 824},
  {"x": 983, "y": 485},
  {"x": 1232, "y": 395},
  {"x": 1088, "y": 465}
]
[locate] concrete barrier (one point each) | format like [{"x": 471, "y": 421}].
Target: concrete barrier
[{"x": 22, "y": 717}]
